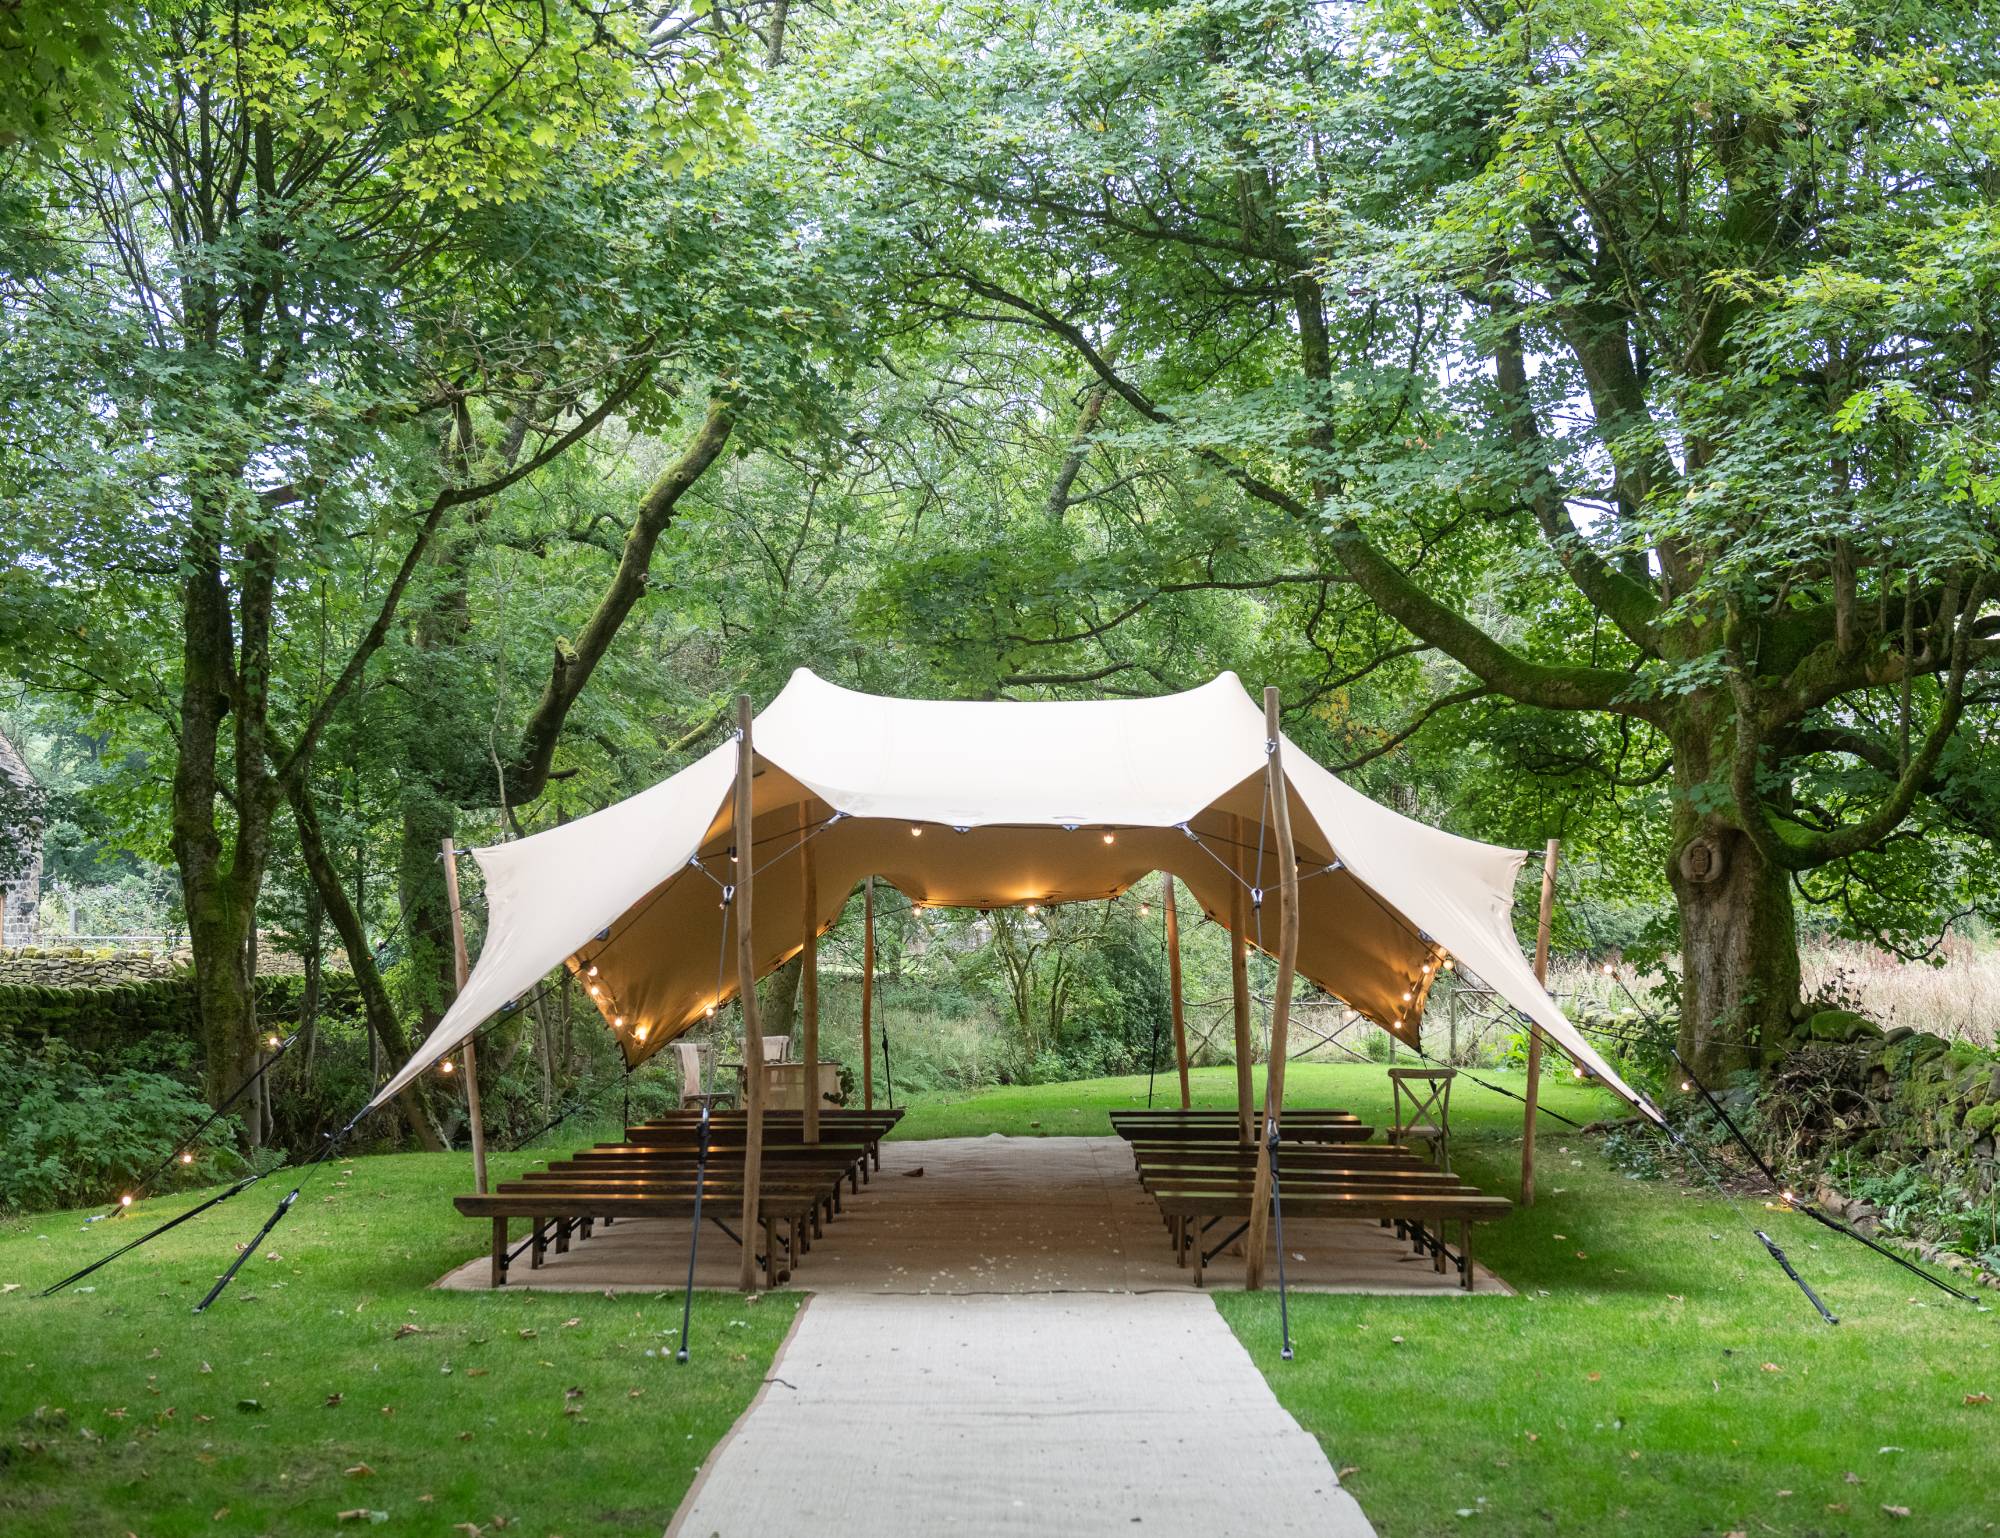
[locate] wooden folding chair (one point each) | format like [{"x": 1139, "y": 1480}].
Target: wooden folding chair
[{"x": 1427, "y": 1093}]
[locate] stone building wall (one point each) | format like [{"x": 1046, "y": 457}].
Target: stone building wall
[{"x": 20, "y": 849}]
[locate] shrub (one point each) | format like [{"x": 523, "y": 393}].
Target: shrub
[{"x": 83, "y": 1130}]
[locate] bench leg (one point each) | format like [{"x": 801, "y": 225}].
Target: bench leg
[
  {"x": 1465, "y": 1253},
  {"x": 562, "y": 1235},
  {"x": 1200, "y": 1260},
  {"x": 538, "y": 1246},
  {"x": 499, "y": 1252},
  {"x": 1438, "y": 1231}
]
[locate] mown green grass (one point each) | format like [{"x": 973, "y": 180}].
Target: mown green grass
[
  {"x": 1646, "y": 1319},
  {"x": 120, "y": 1411},
  {"x": 1626, "y": 1390},
  {"x": 1084, "y": 1109}
]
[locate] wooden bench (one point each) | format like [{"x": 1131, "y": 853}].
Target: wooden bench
[{"x": 1414, "y": 1204}]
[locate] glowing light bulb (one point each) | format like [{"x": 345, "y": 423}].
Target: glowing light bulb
[
  {"x": 187, "y": 1158},
  {"x": 617, "y": 1022},
  {"x": 1578, "y": 1072},
  {"x": 1406, "y": 995},
  {"x": 1110, "y": 838},
  {"x": 916, "y": 833},
  {"x": 1609, "y": 969},
  {"x": 596, "y": 992},
  {"x": 593, "y": 970},
  {"x": 1686, "y": 1086},
  {"x": 125, "y": 1200},
  {"x": 641, "y": 1033},
  {"x": 1145, "y": 910},
  {"x": 447, "y": 1066},
  {"x": 1427, "y": 968},
  {"x": 272, "y": 1039},
  {"x": 1033, "y": 909},
  {"x": 710, "y": 1011},
  {"x": 1450, "y": 965},
  {"x": 1790, "y": 1197}
]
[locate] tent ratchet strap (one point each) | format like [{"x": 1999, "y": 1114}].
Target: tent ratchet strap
[
  {"x": 694, "y": 1232},
  {"x": 1779, "y": 1256},
  {"x": 1278, "y": 1233},
  {"x": 283, "y": 1207},
  {"x": 193, "y": 1212}
]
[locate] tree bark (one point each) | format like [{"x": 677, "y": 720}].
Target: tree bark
[
  {"x": 380, "y": 1013},
  {"x": 1739, "y": 933}
]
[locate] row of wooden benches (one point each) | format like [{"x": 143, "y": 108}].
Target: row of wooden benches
[
  {"x": 1198, "y": 1171},
  {"x": 660, "y": 1170}
]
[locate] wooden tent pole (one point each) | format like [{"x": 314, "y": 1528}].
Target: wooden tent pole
[
  {"x": 1174, "y": 982},
  {"x": 746, "y": 992},
  {"x": 809, "y": 975},
  {"x": 1533, "y": 1093},
  {"x": 1239, "y": 985},
  {"x": 868, "y": 994},
  {"x": 1281, "y": 994},
  {"x": 463, "y": 970}
]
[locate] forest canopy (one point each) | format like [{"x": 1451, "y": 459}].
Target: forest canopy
[{"x": 424, "y": 421}]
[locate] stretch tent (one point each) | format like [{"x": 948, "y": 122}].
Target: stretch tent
[{"x": 982, "y": 804}]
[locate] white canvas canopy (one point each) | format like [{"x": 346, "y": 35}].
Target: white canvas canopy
[{"x": 983, "y": 804}]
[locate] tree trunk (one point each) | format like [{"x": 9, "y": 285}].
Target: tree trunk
[
  {"x": 1739, "y": 935},
  {"x": 778, "y": 998},
  {"x": 383, "y": 1026}
]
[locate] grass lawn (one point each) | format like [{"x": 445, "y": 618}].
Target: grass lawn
[
  {"x": 1657, "y": 1376},
  {"x": 299, "y": 1395}
]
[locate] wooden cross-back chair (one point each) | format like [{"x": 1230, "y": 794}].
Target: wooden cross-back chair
[
  {"x": 1426, "y": 1092},
  {"x": 688, "y": 1056}
]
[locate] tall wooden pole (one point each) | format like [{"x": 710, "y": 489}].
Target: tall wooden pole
[
  {"x": 746, "y": 988},
  {"x": 1533, "y": 1092},
  {"x": 463, "y": 969},
  {"x": 1174, "y": 981},
  {"x": 1281, "y": 994},
  {"x": 809, "y": 975},
  {"x": 1239, "y": 985},
  {"x": 868, "y": 994}
]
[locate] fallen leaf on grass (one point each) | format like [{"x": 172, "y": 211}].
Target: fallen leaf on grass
[
  {"x": 529, "y": 1334},
  {"x": 570, "y": 1324},
  {"x": 206, "y": 1368},
  {"x": 1895, "y": 1511},
  {"x": 1593, "y": 1377},
  {"x": 1347, "y": 1471},
  {"x": 1836, "y": 1506},
  {"x": 1851, "y": 1477},
  {"x": 1533, "y": 1436},
  {"x": 408, "y": 1329},
  {"x": 333, "y": 1401},
  {"x": 358, "y": 1471},
  {"x": 249, "y": 1406},
  {"x": 1979, "y": 1399},
  {"x": 1772, "y": 1367},
  {"x": 218, "y": 1514},
  {"x": 476, "y": 1372},
  {"x": 7, "y": 1287},
  {"x": 363, "y": 1514}
]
